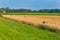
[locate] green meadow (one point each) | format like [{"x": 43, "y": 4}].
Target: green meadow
[{"x": 44, "y": 14}]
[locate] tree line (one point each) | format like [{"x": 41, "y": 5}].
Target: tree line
[{"x": 29, "y": 10}]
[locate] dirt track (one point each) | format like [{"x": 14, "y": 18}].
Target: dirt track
[{"x": 52, "y": 21}]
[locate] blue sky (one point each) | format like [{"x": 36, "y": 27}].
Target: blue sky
[{"x": 31, "y": 4}]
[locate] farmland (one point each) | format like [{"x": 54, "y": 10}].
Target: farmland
[
  {"x": 45, "y": 14},
  {"x": 12, "y": 27},
  {"x": 51, "y": 21}
]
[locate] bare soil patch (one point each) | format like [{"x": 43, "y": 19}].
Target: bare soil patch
[{"x": 51, "y": 21}]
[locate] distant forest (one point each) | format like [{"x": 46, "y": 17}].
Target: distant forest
[{"x": 2, "y": 10}]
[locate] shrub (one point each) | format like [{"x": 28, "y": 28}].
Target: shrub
[
  {"x": 52, "y": 30},
  {"x": 1, "y": 15},
  {"x": 28, "y": 23},
  {"x": 45, "y": 27}
]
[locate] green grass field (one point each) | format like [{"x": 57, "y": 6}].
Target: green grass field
[
  {"x": 11, "y": 30},
  {"x": 44, "y": 14}
]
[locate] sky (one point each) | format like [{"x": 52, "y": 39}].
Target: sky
[{"x": 30, "y": 4}]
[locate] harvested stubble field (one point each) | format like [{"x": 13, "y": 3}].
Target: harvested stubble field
[{"x": 50, "y": 21}]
